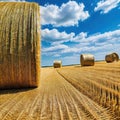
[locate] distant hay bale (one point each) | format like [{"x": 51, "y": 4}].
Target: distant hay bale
[
  {"x": 57, "y": 64},
  {"x": 112, "y": 57},
  {"x": 87, "y": 60},
  {"x": 19, "y": 45}
]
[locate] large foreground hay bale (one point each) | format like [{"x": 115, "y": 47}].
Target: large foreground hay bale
[
  {"x": 19, "y": 45},
  {"x": 112, "y": 57},
  {"x": 57, "y": 64},
  {"x": 87, "y": 60}
]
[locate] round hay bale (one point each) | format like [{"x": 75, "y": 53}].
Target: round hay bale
[
  {"x": 87, "y": 60},
  {"x": 19, "y": 45},
  {"x": 57, "y": 64},
  {"x": 112, "y": 57}
]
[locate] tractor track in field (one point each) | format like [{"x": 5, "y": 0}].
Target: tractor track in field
[{"x": 61, "y": 96}]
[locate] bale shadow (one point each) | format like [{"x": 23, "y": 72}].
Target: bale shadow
[{"x": 12, "y": 91}]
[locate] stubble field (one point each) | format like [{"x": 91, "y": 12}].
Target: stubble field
[{"x": 67, "y": 93}]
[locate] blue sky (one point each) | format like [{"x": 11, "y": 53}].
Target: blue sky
[{"x": 70, "y": 28}]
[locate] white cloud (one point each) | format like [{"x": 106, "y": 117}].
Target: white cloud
[
  {"x": 55, "y": 48},
  {"x": 81, "y": 36},
  {"x": 107, "y": 36},
  {"x": 106, "y": 5},
  {"x": 54, "y": 36},
  {"x": 97, "y": 43},
  {"x": 68, "y": 14}
]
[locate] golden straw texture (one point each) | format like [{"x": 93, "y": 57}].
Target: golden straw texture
[
  {"x": 112, "y": 57},
  {"x": 87, "y": 60},
  {"x": 57, "y": 64},
  {"x": 19, "y": 45}
]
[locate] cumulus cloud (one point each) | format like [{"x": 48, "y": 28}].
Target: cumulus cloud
[
  {"x": 68, "y": 14},
  {"x": 107, "y": 36},
  {"x": 106, "y": 5},
  {"x": 102, "y": 42},
  {"x": 54, "y": 36},
  {"x": 55, "y": 48}
]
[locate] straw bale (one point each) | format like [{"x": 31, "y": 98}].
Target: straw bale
[
  {"x": 57, "y": 64},
  {"x": 19, "y": 45},
  {"x": 87, "y": 60},
  {"x": 112, "y": 57}
]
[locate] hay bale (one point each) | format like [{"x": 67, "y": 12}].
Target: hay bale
[
  {"x": 19, "y": 45},
  {"x": 57, "y": 64},
  {"x": 112, "y": 57},
  {"x": 87, "y": 60}
]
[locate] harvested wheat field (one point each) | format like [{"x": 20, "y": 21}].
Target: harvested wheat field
[{"x": 67, "y": 93}]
